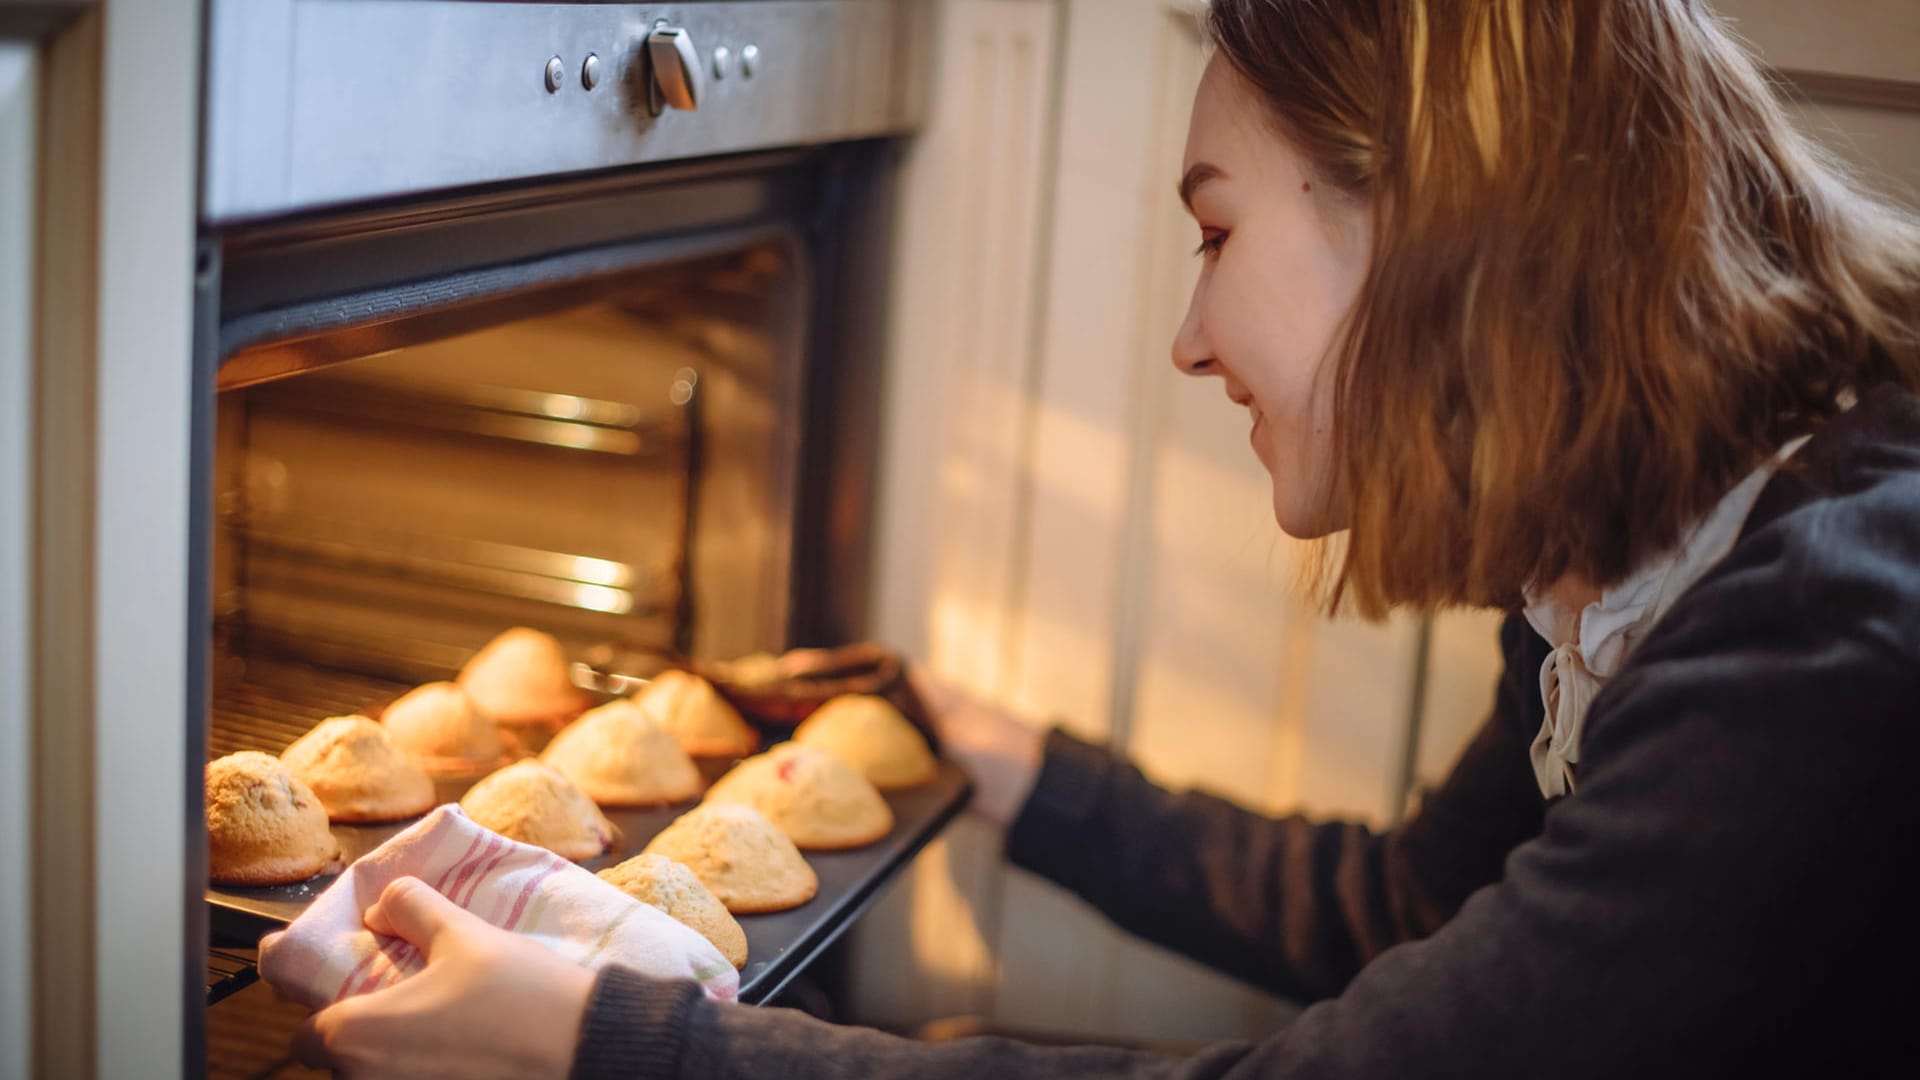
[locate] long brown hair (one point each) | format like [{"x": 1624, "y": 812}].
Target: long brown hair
[{"x": 1609, "y": 278}]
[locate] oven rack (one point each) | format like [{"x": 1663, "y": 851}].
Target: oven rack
[
  {"x": 266, "y": 703},
  {"x": 230, "y": 971},
  {"x": 511, "y": 571},
  {"x": 559, "y": 421}
]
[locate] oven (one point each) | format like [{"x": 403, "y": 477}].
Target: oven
[{"x": 557, "y": 315}]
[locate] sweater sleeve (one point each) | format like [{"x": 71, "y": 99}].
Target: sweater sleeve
[
  {"x": 1289, "y": 904},
  {"x": 1715, "y": 899}
]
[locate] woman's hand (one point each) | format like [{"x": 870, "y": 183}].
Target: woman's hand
[
  {"x": 488, "y": 1002},
  {"x": 999, "y": 750}
]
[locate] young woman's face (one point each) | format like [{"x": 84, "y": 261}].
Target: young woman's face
[{"x": 1282, "y": 260}]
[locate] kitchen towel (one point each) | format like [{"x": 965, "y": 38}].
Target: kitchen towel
[{"x": 328, "y": 954}]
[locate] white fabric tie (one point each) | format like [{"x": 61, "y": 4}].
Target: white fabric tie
[
  {"x": 1567, "y": 688},
  {"x": 1591, "y": 645}
]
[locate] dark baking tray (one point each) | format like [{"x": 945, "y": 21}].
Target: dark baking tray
[{"x": 779, "y": 946}]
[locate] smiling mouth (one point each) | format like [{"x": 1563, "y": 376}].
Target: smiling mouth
[{"x": 1253, "y": 408}]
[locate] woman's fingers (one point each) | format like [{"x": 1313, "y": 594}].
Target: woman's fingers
[
  {"x": 415, "y": 912},
  {"x": 1000, "y": 751},
  {"x": 498, "y": 1006}
]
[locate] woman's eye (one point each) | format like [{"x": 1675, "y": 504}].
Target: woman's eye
[{"x": 1211, "y": 241}]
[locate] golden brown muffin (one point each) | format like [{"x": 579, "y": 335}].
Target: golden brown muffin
[
  {"x": 437, "y": 726},
  {"x": 619, "y": 756},
  {"x": 750, "y": 865},
  {"x": 821, "y": 802},
  {"x": 694, "y": 712},
  {"x": 264, "y": 827},
  {"x": 868, "y": 733},
  {"x": 674, "y": 889},
  {"x": 357, "y": 772},
  {"x": 520, "y": 678},
  {"x": 531, "y": 802}
]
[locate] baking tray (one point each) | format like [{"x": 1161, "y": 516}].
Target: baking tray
[{"x": 779, "y": 945}]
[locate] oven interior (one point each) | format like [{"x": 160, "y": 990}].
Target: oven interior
[{"x": 618, "y": 465}]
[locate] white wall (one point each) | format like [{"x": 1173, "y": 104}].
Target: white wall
[
  {"x": 19, "y": 106},
  {"x": 1859, "y": 60},
  {"x": 965, "y": 306},
  {"x": 1875, "y": 39},
  {"x": 148, "y": 190},
  {"x": 111, "y": 291},
  {"x": 1069, "y": 525}
]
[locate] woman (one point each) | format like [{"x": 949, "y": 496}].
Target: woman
[{"x": 1546, "y": 305}]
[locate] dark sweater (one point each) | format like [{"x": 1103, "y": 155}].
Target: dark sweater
[{"x": 1722, "y": 895}]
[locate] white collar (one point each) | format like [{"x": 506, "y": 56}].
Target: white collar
[{"x": 1591, "y": 645}]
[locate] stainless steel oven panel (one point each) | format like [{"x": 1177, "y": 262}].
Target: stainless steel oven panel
[{"x": 312, "y": 103}]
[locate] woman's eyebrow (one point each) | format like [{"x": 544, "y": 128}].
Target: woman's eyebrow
[{"x": 1201, "y": 173}]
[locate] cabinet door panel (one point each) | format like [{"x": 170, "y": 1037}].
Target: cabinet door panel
[
  {"x": 952, "y": 488},
  {"x": 1162, "y": 605}
]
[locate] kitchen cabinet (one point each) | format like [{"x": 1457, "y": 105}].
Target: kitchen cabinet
[
  {"x": 1071, "y": 526},
  {"x": 19, "y": 126},
  {"x": 1854, "y": 70},
  {"x": 98, "y": 136}
]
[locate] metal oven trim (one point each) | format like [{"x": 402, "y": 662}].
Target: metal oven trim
[
  {"x": 317, "y": 103},
  {"x": 303, "y": 335}
]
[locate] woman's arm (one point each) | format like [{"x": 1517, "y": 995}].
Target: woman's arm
[{"x": 1288, "y": 904}]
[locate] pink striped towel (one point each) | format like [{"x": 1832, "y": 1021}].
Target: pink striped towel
[{"x": 328, "y": 954}]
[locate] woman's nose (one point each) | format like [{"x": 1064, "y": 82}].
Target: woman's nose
[{"x": 1191, "y": 355}]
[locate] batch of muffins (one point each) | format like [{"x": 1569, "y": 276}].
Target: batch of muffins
[{"x": 737, "y": 852}]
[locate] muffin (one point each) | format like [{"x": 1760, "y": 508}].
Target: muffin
[
  {"x": 436, "y": 725},
  {"x": 531, "y": 802},
  {"x": 520, "y": 679},
  {"x": 819, "y": 801},
  {"x": 619, "y": 756},
  {"x": 735, "y": 852},
  {"x": 694, "y": 712},
  {"x": 264, "y": 826},
  {"x": 674, "y": 889},
  {"x": 357, "y": 772},
  {"x": 869, "y": 734}
]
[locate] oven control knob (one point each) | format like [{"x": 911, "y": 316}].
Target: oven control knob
[{"x": 676, "y": 68}]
